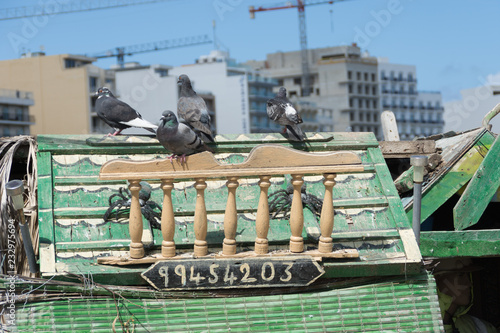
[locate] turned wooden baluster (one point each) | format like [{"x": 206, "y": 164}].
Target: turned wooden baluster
[
  {"x": 230, "y": 218},
  {"x": 325, "y": 244},
  {"x": 262, "y": 221},
  {"x": 200, "y": 219},
  {"x": 297, "y": 216},
  {"x": 167, "y": 220},
  {"x": 135, "y": 221}
]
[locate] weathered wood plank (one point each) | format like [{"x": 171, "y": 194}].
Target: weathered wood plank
[
  {"x": 45, "y": 200},
  {"x": 464, "y": 243},
  {"x": 386, "y": 183},
  {"x": 389, "y": 126},
  {"x": 405, "y": 149},
  {"x": 461, "y": 172},
  {"x": 481, "y": 188}
]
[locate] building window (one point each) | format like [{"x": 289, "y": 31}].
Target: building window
[
  {"x": 360, "y": 89},
  {"x": 367, "y": 103},
  {"x": 375, "y": 117},
  {"x": 369, "y": 117},
  {"x": 358, "y": 76},
  {"x": 19, "y": 114},
  {"x": 93, "y": 83},
  {"x": 297, "y": 81},
  {"x": 374, "y": 103},
  {"x": 367, "y": 89},
  {"x": 350, "y": 88},
  {"x": 361, "y": 116},
  {"x": 374, "y": 90},
  {"x": 5, "y": 113},
  {"x": 351, "y": 102},
  {"x": 373, "y": 77},
  {"x": 349, "y": 75},
  {"x": 366, "y": 76},
  {"x": 69, "y": 63},
  {"x": 351, "y": 115},
  {"x": 382, "y": 73}
]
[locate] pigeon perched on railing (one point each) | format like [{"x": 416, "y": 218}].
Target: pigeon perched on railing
[
  {"x": 281, "y": 111},
  {"x": 192, "y": 110},
  {"x": 117, "y": 114},
  {"x": 178, "y": 138}
]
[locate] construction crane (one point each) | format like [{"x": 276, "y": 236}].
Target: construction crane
[
  {"x": 300, "y": 5},
  {"x": 62, "y": 7},
  {"x": 122, "y": 51}
]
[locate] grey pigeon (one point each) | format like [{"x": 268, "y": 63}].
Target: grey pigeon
[
  {"x": 281, "y": 111},
  {"x": 178, "y": 138},
  {"x": 118, "y": 114},
  {"x": 192, "y": 110}
]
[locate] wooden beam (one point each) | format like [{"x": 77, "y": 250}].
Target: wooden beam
[
  {"x": 404, "y": 149},
  {"x": 470, "y": 243},
  {"x": 481, "y": 188}
]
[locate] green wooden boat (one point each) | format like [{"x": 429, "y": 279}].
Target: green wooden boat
[{"x": 380, "y": 285}]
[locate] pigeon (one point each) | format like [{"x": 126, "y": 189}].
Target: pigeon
[
  {"x": 281, "y": 111},
  {"x": 193, "y": 111},
  {"x": 178, "y": 137},
  {"x": 118, "y": 114}
]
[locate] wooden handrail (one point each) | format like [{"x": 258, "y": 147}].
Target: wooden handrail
[{"x": 263, "y": 161}]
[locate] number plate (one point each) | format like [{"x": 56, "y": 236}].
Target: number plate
[{"x": 233, "y": 273}]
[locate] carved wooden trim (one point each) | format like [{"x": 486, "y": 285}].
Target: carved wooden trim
[
  {"x": 262, "y": 220},
  {"x": 135, "y": 221},
  {"x": 230, "y": 218},
  {"x": 297, "y": 215},
  {"x": 200, "y": 219},
  {"x": 263, "y": 160},
  {"x": 325, "y": 244},
  {"x": 167, "y": 219}
]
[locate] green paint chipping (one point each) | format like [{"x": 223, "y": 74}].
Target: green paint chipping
[{"x": 396, "y": 305}]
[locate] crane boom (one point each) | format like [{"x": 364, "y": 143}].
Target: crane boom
[
  {"x": 300, "y": 5},
  {"x": 122, "y": 51},
  {"x": 55, "y": 8}
]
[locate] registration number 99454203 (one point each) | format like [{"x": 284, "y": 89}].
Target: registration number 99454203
[{"x": 214, "y": 273}]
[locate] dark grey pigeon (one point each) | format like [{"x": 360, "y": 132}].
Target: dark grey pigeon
[
  {"x": 192, "y": 110},
  {"x": 178, "y": 138},
  {"x": 118, "y": 114},
  {"x": 281, "y": 111}
]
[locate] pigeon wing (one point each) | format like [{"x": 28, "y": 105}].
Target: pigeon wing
[{"x": 275, "y": 110}]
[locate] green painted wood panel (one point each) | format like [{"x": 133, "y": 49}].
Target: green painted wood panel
[
  {"x": 366, "y": 203},
  {"x": 481, "y": 188},
  {"x": 463, "y": 243}
]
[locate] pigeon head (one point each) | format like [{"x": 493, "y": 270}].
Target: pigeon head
[
  {"x": 282, "y": 92},
  {"x": 184, "y": 80},
  {"x": 104, "y": 91},
  {"x": 168, "y": 118}
]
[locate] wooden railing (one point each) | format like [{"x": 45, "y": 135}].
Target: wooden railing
[{"x": 263, "y": 161}]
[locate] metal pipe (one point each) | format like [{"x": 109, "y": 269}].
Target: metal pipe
[
  {"x": 417, "y": 204},
  {"x": 15, "y": 189},
  {"x": 418, "y": 163}
]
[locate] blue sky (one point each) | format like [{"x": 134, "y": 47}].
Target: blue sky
[{"x": 454, "y": 44}]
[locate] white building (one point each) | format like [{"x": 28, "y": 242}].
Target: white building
[
  {"x": 468, "y": 113},
  {"x": 417, "y": 113},
  {"x": 240, "y": 92},
  {"x": 148, "y": 89}
]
